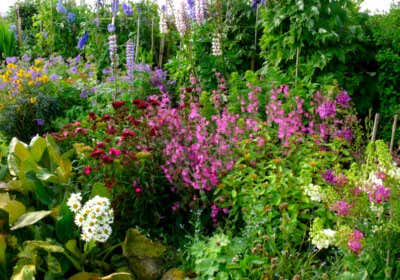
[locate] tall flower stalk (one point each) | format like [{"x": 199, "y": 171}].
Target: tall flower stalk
[
  {"x": 130, "y": 58},
  {"x": 113, "y": 49}
]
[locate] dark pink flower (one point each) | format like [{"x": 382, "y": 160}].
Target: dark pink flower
[
  {"x": 87, "y": 170},
  {"x": 114, "y": 152}
]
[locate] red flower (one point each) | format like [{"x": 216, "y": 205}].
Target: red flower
[
  {"x": 106, "y": 159},
  {"x": 111, "y": 129},
  {"x": 97, "y": 153},
  {"x": 81, "y": 130},
  {"x": 100, "y": 145},
  {"x": 140, "y": 104},
  {"x": 92, "y": 116},
  {"x": 118, "y": 104},
  {"x": 128, "y": 133},
  {"x": 87, "y": 170},
  {"x": 154, "y": 102},
  {"x": 138, "y": 190},
  {"x": 132, "y": 120},
  {"x": 106, "y": 117}
]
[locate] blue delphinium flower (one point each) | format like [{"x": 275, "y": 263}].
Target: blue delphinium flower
[
  {"x": 71, "y": 17},
  {"x": 127, "y": 8},
  {"x": 191, "y": 8},
  {"x": 60, "y": 8},
  {"x": 111, "y": 28},
  {"x": 114, "y": 7},
  {"x": 83, "y": 40}
]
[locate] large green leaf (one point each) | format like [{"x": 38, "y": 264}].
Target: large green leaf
[
  {"x": 30, "y": 218},
  {"x": 72, "y": 247},
  {"x": 100, "y": 190},
  {"x": 64, "y": 224},
  {"x": 14, "y": 208},
  {"x": 118, "y": 276},
  {"x": 53, "y": 265},
  {"x": 138, "y": 245},
  {"x": 37, "y": 146},
  {"x": 18, "y": 154},
  {"x": 26, "y": 272},
  {"x": 84, "y": 276}
]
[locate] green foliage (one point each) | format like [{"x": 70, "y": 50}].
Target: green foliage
[
  {"x": 8, "y": 44},
  {"x": 387, "y": 39}
]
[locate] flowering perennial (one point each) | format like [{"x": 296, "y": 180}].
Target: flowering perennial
[
  {"x": 216, "y": 45},
  {"x": 94, "y": 218},
  {"x": 130, "y": 58}
]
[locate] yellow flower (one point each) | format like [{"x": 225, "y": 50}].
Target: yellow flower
[
  {"x": 20, "y": 73},
  {"x": 11, "y": 66},
  {"x": 45, "y": 79},
  {"x": 31, "y": 83},
  {"x": 1, "y": 106},
  {"x": 28, "y": 75},
  {"x": 33, "y": 100},
  {"x": 38, "y": 62}
]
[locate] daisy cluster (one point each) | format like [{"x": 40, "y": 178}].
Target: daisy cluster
[{"x": 94, "y": 218}]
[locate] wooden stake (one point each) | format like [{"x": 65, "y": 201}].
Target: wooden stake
[
  {"x": 376, "y": 120},
  {"x": 19, "y": 27},
  {"x": 393, "y": 133}
]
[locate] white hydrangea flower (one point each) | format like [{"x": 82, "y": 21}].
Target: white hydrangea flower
[
  {"x": 74, "y": 202},
  {"x": 95, "y": 219},
  {"x": 324, "y": 238},
  {"x": 314, "y": 192}
]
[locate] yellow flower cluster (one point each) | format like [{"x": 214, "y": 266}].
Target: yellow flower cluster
[{"x": 18, "y": 78}]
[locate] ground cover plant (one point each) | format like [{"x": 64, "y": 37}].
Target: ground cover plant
[{"x": 197, "y": 140}]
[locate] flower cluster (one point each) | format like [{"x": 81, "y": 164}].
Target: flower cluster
[
  {"x": 354, "y": 242},
  {"x": 130, "y": 58},
  {"x": 324, "y": 238},
  {"x": 163, "y": 21},
  {"x": 181, "y": 19},
  {"x": 314, "y": 192},
  {"x": 200, "y": 10},
  {"x": 216, "y": 45},
  {"x": 94, "y": 218},
  {"x": 112, "y": 45}
]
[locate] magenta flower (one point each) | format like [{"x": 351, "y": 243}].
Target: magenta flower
[
  {"x": 114, "y": 152},
  {"x": 379, "y": 195},
  {"x": 354, "y": 241},
  {"x": 329, "y": 177},
  {"x": 326, "y": 110},
  {"x": 343, "y": 99},
  {"x": 341, "y": 208},
  {"x": 87, "y": 170}
]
